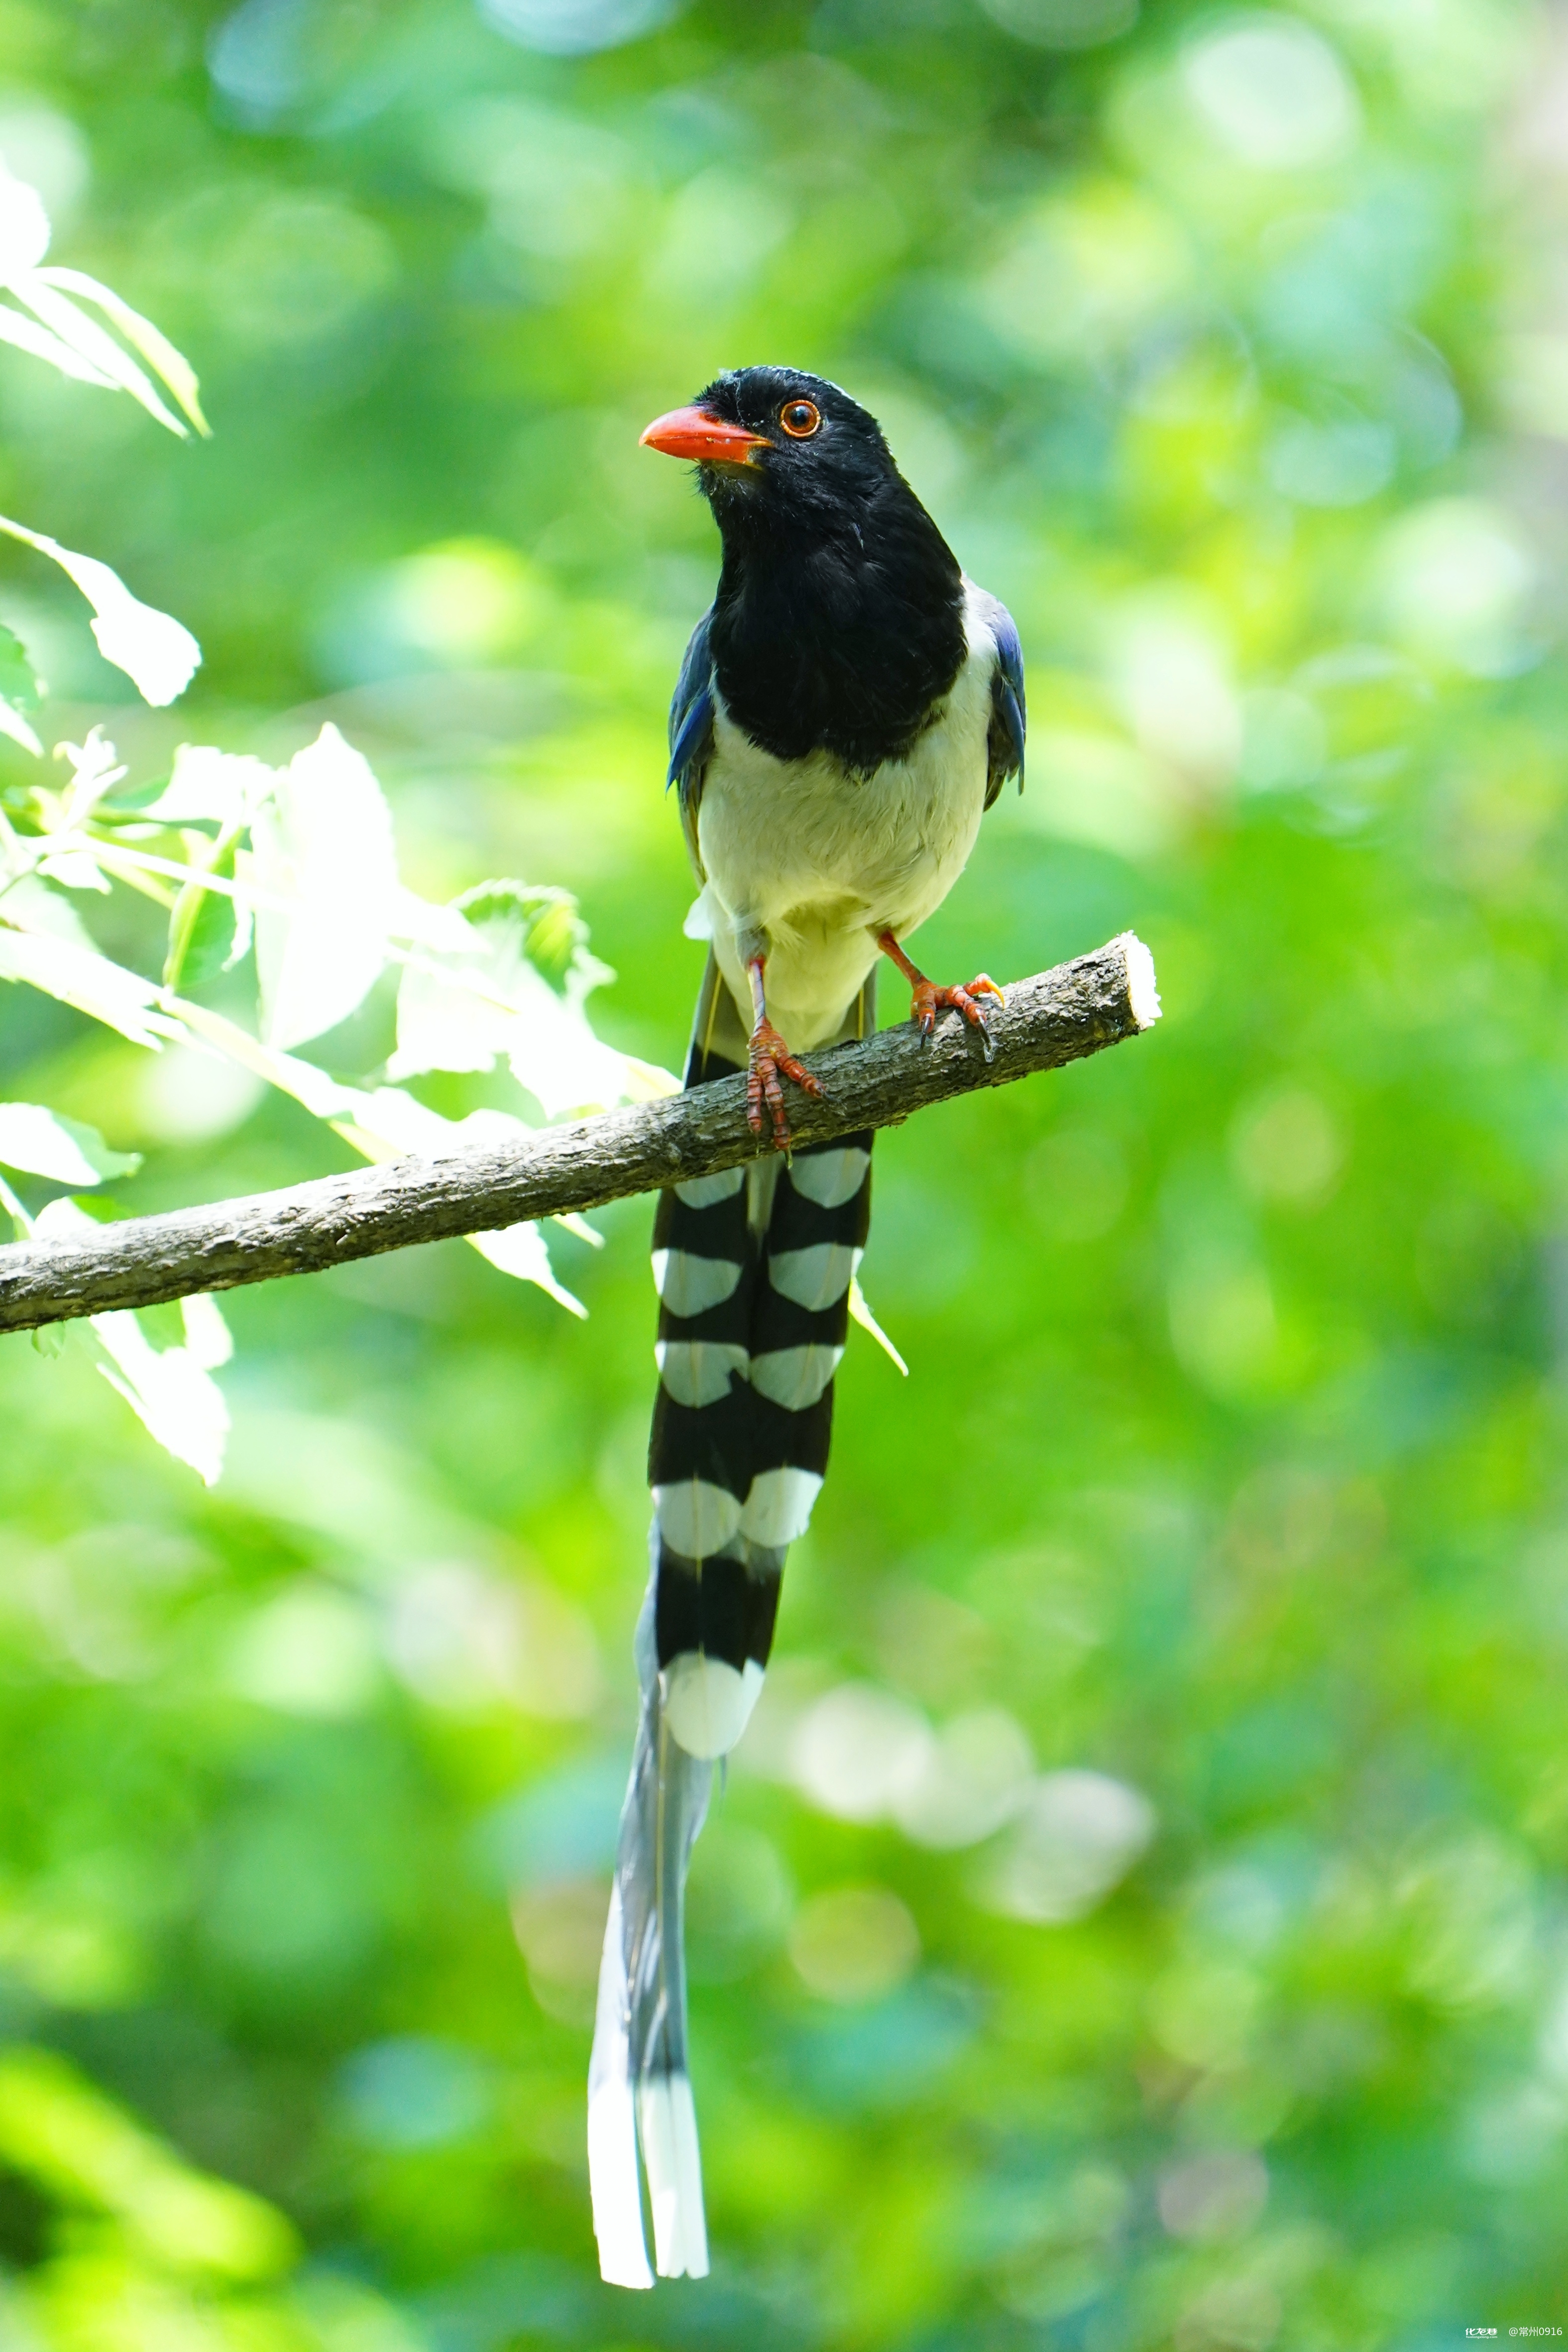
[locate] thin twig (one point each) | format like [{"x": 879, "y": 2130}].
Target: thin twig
[{"x": 1058, "y": 1017}]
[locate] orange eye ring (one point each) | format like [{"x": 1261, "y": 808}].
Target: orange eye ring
[{"x": 800, "y": 419}]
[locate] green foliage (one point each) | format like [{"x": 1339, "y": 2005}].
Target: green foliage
[
  {"x": 1134, "y": 1917},
  {"x": 302, "y": 867},
  {"x": 207, "y": 933},
  {"x": 43, "y": 1143},
  {"x": 18, "y": 686}
]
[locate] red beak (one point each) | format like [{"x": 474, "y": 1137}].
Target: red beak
[{"x": 693, "y": 433}]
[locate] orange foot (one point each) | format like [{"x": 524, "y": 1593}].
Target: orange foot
[
  {"x": 770, "y": 1060},
  {"x": 928, "y": 1000}
]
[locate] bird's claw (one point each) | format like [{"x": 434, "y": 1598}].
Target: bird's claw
[
  {"x": 929, "y": 1000},
  {"x": 768, "y": 1061}
]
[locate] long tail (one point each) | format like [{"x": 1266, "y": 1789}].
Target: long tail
[{"x": 753, "y": 1269}]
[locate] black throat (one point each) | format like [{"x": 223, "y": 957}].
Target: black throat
[{"x": 836, "y": 628}]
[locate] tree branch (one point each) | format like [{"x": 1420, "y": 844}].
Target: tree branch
[{"x": 1058, "y": 1017}]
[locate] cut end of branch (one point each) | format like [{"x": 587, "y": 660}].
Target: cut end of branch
[{"x": 1143, "y": 995}]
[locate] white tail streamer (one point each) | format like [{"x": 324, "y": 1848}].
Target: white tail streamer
[{"x": 639, "y": 2088}]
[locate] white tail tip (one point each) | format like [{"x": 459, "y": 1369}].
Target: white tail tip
[
  {"x": 614, "y": 2182},
  {"x": 1143, "y": 995},
  {"x": 614, "y": 2187},
  {"x": 669, "y": 2122}
]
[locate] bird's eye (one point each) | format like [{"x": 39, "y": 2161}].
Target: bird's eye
[{"x": 800, "y": 419}]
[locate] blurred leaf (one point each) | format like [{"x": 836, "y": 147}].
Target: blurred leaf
[
  {"x": 515, "y": 985},
  {"x": 169, "y": 1390},
  {"x": 12, "y": 724},
  {"x": 57, "y": 2129},
  {"x": 45, "y": 1143},
  {"x": 208, "y": 1341},
  {"x": 18, "y": 693},
  {"x": 209, "y": 932},
  {"x": 539, "y": 922},
  {"x": 157, "y": 653},
  {"x": 96, "y": 768},
  {"x": 88, "y": 341},
  {"x": 206, "y": 784},
  {"x": 76, "y": 870},
  {"x": 18, "y": 686},
  {"x": 28, "y": 336},
  {"x": 24, "y": 227},
  {"x": 142, "y": 335},
  {"x": 323, "y": 844},
  {"x": 520, "y": 1250},
  {"x": 106, "y": 990}
]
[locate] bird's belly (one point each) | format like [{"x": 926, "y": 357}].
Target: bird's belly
[{"x": 812, "y": 864}]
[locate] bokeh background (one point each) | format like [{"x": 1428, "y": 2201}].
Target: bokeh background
[{"x": 1137, "y": 1917}]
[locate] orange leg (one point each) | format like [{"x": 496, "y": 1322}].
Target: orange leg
[
  {"x": 928, "y": 1000},
  {"x": 768, "y": 1061}
]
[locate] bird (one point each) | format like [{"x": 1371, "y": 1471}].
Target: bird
[{"x": 848, "y": 708}]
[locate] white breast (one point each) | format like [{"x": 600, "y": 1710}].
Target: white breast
[{"x": 808, "y": 863}]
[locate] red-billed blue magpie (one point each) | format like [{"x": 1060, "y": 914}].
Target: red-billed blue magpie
[{"x": 848, "y": 709}]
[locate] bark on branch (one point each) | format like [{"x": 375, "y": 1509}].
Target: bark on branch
[{"x": 1058, "y": 1017}]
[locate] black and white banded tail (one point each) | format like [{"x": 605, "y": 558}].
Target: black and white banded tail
[{"x": 753, "y": 1269}]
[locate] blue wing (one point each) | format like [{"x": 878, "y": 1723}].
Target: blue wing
[
  {"x": 1004, "y": 741},
  {"x": 691, "y": 729}
]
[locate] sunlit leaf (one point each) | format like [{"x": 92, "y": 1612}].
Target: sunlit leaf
[
  {"x": 169, "y": 1390},
  {"x": 12, "y": 724},
  {"x": 70, "y": 341},
  {"x": 18, "y": 686},
  {"x": 542, "y": 923},
  {"x": 555, "y": 1055},
  {"x": 322, "y": 1095},
  {"x": 156, "y": 652},
  {"x": 76, "y": 870},
  {"x": 96, "y": 768},
  {"x": 47, "y": 1143},
  {"x": 443, "y": 1024},
  {"x": 419, "y": 923},
  {"x": 90, "y": 341},
  {"x": 27, "y": 335},
  {"x": 209, "y": 931},
  {"x": 89, "y": 982},
  {"x": 31, "y": 905},
  {"x": 143, "y": 336},
  {"x": 24, "y": 227},
  {"x": 205, "y": 784},
  {"x": 208, "y": 1340},
  {"x": 324, "y": 844},
  {"x": 21, "y": 1222},
  {"x": 387, "y": 1122},
  {"x": 171, "y": 1393},
  {"x": 516, "y": 987},
  {"x": 520, "y": 1250}
]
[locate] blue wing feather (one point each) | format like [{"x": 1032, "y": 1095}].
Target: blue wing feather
[
  {"x": 1005, "y": 739},
  {"x": 691, "y": 732},
  {"x": 691, "y": 713}
]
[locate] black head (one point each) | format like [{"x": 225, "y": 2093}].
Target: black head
[
  {"x": 779, "y": 446},
  {"x": 838, "y": 622}
]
